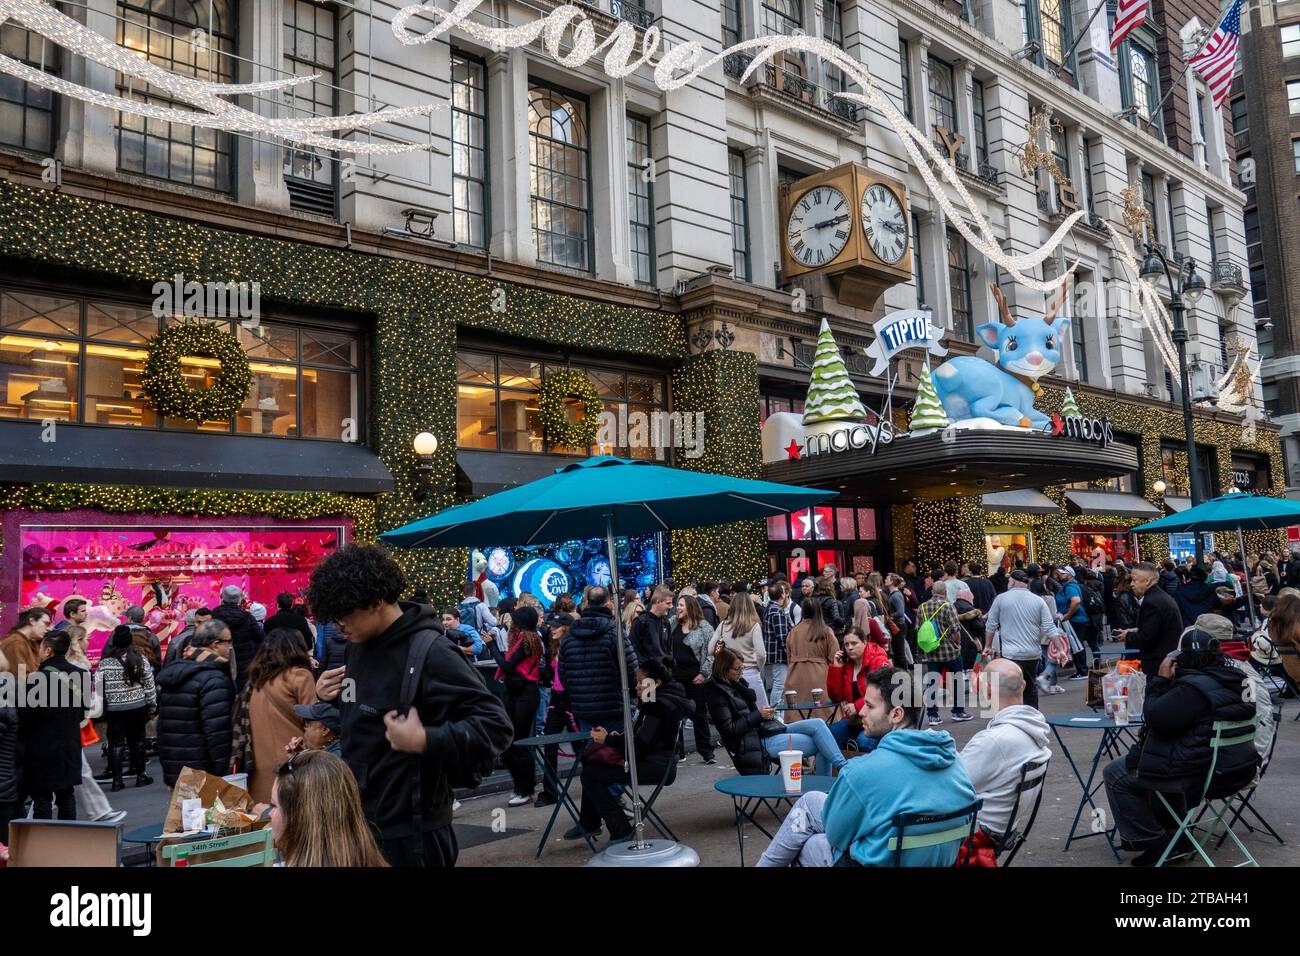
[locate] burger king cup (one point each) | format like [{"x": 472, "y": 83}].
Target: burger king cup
[{"x": 792, "y": 770}]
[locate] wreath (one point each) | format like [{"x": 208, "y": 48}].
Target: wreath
[
  {"x": 558, "y": 386},
  {"x": 166, "y": 387}
]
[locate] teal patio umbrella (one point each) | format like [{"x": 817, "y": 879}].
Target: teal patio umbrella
[
  {"x": 609, "y": 497},
  {"x": 1237, "y": 512}
]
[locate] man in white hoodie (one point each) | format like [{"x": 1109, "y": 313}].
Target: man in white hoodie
[{"x": 1016, "y": 735}]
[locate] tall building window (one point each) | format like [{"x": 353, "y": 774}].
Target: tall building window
[
  {"x": 739, "y": 216},
  {"x": 1056, "y": 142},
  {"x": 1078, "y": 337},
  {"x": 1087, "y": 175},
  {"x": 731, "y": 22},
  {"x": 959, "y": 279},
  {"x": 1240, "y": 118},
  {"x": 469, "y": 164},
  {"x": 1293, "y": 97},
  {"x": 1053, "y": 31},
  {"x": 1290, "y": 40},
  {"x": 175, "y": 36},
  {"x": 905, "y": 65},
  {"x": 1140, "y": 84},
  {"x": 981, "y": 129},
  {"x": 309, "y": 32},
  {"x": 918, "y": 267},
  {"x": 1295, "y": 153},
  {"x": 943, "y": 97},
  {"x": 1209, "y": 222},
  {"x": 1149, "y": 202},
  {"x": 782, "y": 17},
  {"x": 641, "y": 199},
  {"x": 833, "y": 33},
  {"x": 27, "y": 111},
  {"x": 559, "y": 160}
]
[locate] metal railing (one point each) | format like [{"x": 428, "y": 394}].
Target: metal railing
[
  {"x": 1226, "y": 274},
  {"x": 987, "y": 171},
  {"x": 632, "y": 12},
  {"x": 1044, "y": 202}
]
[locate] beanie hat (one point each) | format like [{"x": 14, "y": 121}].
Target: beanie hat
[
  {"x": 524, "y": 617},
  {"x": 121, "y": 637}
]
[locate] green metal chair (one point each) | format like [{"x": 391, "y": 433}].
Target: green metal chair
[
  {"x": 962, "y": 829},
  {"x": 1227, "y": 733},
  {"x": 261, "y": 852}
]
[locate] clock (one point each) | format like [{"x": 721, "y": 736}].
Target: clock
[
  {"x": 883, "y": 223},
  {"x": 850, "y": 225},
  {"x": 818, "y": 226}
]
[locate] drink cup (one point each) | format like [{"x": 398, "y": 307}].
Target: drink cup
[
  {"x": 792, "y": 770},
  {"x": 1117, "y": 709},
  {"x": 817, "y": 695},
  {"x": 790, "y": 698}
]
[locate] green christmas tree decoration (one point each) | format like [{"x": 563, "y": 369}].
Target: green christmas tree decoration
[
  {"x": 831, "y": 395},
  {"x": 1069, "y": 407},
  {"x": 928, "y": 411}
]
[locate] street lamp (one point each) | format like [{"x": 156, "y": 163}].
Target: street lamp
[
  {"x": 424, "y": 444},
  {"x": 1191, "y": 286}
]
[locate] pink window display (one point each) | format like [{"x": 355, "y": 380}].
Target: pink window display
[{"x": 167, "y": 565}]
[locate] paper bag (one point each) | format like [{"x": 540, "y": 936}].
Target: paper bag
[{"x": 207, "y": 787}]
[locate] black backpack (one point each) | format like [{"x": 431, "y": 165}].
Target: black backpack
[{"x": 1093, "y": 603}]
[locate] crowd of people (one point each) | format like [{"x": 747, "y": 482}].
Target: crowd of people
[{"x": 356, "y": 723}]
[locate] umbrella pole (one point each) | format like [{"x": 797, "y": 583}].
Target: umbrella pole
[
  {"x": 630, "y": 743},
  {"x": 1250, "y": 597}
]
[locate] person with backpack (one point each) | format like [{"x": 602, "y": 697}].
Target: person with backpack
[
  {"x": 938, "y": 637},
  {"x": 479, "y": 616},
  {"x": 416, "y": 721}
]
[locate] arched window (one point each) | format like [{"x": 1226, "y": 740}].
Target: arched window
[
  {"x": 1054, "y": 46},
  {"x": 1140, "y": 67},
  {"x": 191, "y": 38},
  {"x": 558, "y": 153}
]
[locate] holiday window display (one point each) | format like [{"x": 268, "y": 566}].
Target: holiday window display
[
  {"x": 1003, "y": 547},
  {"x": 1099, "y": 547},
  {"x": 168, "y": 566},
  {"x": 547, "y": 571}
]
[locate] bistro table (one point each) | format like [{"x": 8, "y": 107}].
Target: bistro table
[
  {"x": 751, "y": 791},
  {"x": 1113, "y": 738},
  {"x": 538, "y": 746},
  {"x": 805, "y": 708},
  {"x": 151, "y": 835}
]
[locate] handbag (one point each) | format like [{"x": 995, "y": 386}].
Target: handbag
[
  {"x": 241, "y": 745},
  {"x": 602, "y": 754},
  {"x": 772, "y": 727}
]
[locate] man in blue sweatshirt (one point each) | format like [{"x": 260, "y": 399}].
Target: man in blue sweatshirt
[{"x": 910, "y": 771}]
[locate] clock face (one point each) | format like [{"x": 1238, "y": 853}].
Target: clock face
[
  {"x": 818, "y": 228},
  {"x": 884, "y": 223}
]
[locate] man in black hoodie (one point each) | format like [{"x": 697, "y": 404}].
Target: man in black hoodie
[
  {"x": 652, "y": 633},
  {"x": 195, "y": 699},
  {"x": 1194, "y": 688},
  {"x": 1159, "y": 622},
  {"x": 455, "y": 726},
  {"x": 589, "y": 665}
]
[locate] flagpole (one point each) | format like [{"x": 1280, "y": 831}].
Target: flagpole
[
  {"x": 1075, "y": 45},
  {"x": 1187, "y": 65}
]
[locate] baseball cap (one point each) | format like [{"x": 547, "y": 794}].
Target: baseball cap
[
  {"x": 326, "y": 714},
  {"x": 1034, "y": 568},
  {"x": 1019, "y": 575},
  {"x": 1066, "y": 570}
]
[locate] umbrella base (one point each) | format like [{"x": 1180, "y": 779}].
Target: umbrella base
[{"x": 656, "y": 853}]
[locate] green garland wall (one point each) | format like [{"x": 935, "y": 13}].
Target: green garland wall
[
  {"x": 724, "y": 386},
  {"x": 417, "y": 308}
]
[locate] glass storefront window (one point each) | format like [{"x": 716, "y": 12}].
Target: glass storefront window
[
  {"x": 40, "y": 378},
  {"x": 1006, "y": 546},
  {"x": 867, "y": 524},
  {"x": 778, "y": 528},
  {"x": 329, "y": 398},
  {"x": 476, "y": 417},
  {"x": 114, "y": 395},
  {"x": 271, "y": 407},
  {"x": 1113, "y": 543},
  {"x": 844, "y": 524},
  {"x": 39, "y": 314},
  {"x": 113, "y": 322}
]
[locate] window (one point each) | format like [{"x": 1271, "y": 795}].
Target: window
[
  {"x": 1087, "y": 175},
  {"x": 1223, "y": 346},
  {"x": 981, "y": 132},
  {"x": 1258, "y": 289},
  {"x": 943, "y": 97},
  {"x": 175, "y": 37},
  {"x": 739, "y": 216},
  {"x": 1250, "y": 219},
  {"x": 1240, "y": 118},
  {"x": 469, "y": 166},
  {"x": 496, "y": 405},
  {"x": 1149, "y": 201},
  {"x": 1293, "y": 97},
  {"x": 959, "y": 286},
  {"x": 641, "y": 200},
  {"x": 905, "y": 65},
  {"x": 1053, "y": 31},
  {"x": 1272, "y": 402},
  {"x": 1264, "y": 339},
  {"x": 1078, "y": 338},
  {"x": 1140, "y": 84},
  {"x": 1056, "y": 141},
  {"x": 833, "y": 33},
  {"x": 1295, "y": 153},
  {"x": 561, "y": 186},
  {"x": 80, "y": 360},
  {"x": 1214, "y": 245},
  {"x": 782, "y": 17},
  {"x": 309, "y": 31},
  {"x": 919, "y": 269},
  {"x": 731, "y": 23},
  {"x": 1290, "y": 40},
  {"x": 26, "y": 111}
]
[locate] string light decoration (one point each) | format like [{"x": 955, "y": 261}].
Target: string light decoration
[
  {"x": 165, "y": 385},
  {"x": 418, "y": 309},
  {"x": 1033, "y": 157},
  {"x": 1136, "y": 216},
  {"x": 210, "y": 110},
  {"x": 552, "y": 411}
]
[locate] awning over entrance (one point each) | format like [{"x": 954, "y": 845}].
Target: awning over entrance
[
  {"x": 120, "y": 456},
  {"x": 1026, "y": 501},
  {"x": 1111, "y": 503},
  {"x": 1177, "y": 504},
  {"x": 946, "y": 465}
]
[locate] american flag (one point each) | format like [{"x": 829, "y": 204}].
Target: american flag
[
  {"x": 1218, "y": 59},
  {"x": 1130, "y": 15}
]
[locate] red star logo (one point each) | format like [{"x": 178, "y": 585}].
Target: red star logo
[
  {"x": 792, "y": 450},
  {"x": 1058, "y": 426}
]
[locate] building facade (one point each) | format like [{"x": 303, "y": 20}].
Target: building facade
[
  {"x": 564, "y": 219},
  {"x": 1266, "y": 121}
]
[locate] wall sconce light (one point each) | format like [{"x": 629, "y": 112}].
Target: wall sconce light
[
  {"x": 425, "y": 444},
  {"x": 1159, "y": 486}
]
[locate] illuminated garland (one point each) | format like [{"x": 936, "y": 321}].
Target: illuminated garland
[
  {"x": 556, "y": 388},
  {"x": 165, "y": 385}
]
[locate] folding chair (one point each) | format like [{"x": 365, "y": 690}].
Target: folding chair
[
  {"x": 256, "y": 848},
  {"x": 1243, "y": 798},
  {"x": 1032, "y": 777},
  {"x": 1281, "y": 652},
  {"x": 957, "y": 833},
  {"x": 1227, "y": 733},
  {"x": 647, "y": 806}
]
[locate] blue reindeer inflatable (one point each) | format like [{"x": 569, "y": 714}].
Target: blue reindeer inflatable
[{"x": 970, "y": 387}]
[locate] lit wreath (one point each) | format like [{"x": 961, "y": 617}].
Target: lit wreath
[
  {"x": 166, "y": 387},
  {"x": 556, "y": 387}
]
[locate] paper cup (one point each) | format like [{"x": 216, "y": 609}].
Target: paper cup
[
  {"x": 792, "y": 770},
  {"x": 1117, "y": 710},
  {"x": 239, "y": 780},
  {"x": 790, "y": 698},
  {"x": 817, "y": 695}
]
